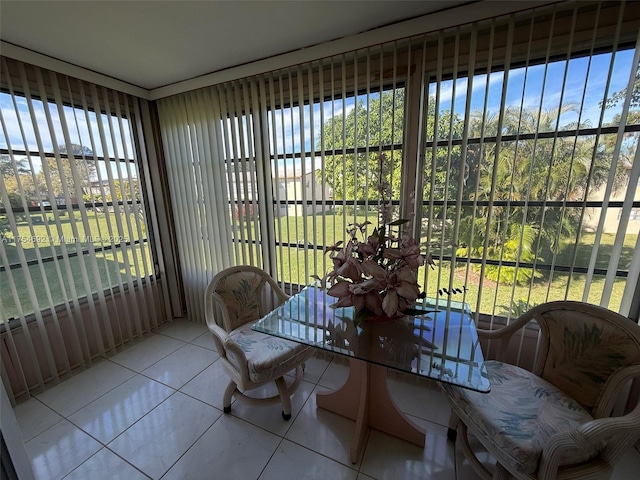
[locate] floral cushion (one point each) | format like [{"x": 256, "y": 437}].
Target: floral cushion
[
  {"x": 584, "y": 351},
  {"x": 241, "y": 293},
  {"x": 519, "y": 414},
  {"x": 268, "y": 357}
]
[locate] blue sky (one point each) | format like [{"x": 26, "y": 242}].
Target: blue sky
[
  {"x": 547, "y": 87},
  {"x": 532, "y": 87}
]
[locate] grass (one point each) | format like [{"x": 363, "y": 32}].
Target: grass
[
  {"x": 295, "y": 264},
  {"x": 72, "y": 276},
  {"x": 488, "y": 298}
]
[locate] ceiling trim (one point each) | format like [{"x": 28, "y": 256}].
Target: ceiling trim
[
  {"x": 453, "y": 17},
  {"x": 44, "y": 61}
]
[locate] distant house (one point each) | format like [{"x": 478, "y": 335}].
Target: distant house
[
  {"x": 298, "y": 187},
  {"x": 98, "y": 188},
  {"x": 613, "y": 216}
]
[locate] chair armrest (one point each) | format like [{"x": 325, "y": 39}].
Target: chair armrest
[
  {"x": 503, "y": 334},
  {"x": 230, "y": 351},
  {"x": 609, "y": 437},
  {"x": 220, "y": 337}
]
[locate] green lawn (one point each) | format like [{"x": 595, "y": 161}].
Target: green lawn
[
  {"x": 296, "y": 264},
  {"x": 494, "y": 298},
  {"x": 107, "y": 269}
]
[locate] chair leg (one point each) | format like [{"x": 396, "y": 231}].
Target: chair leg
[
  {"x": 452, "y": 432},
  {"x": 284, "y": 397},
  {"x": 228, "y": 395}
]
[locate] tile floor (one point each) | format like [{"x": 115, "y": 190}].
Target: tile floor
[{"x": 155, "y": 411}]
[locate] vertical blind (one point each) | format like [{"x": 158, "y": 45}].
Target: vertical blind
[
  {"x": 510, "y": 143},
  {"x": 76, "y": 264}
]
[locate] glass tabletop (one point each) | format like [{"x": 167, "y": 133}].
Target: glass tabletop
[{"x": 441, "y": 344}]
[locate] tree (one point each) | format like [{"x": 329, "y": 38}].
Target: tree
[
  {"x": 61, "y": 172},
  {"x": 526, "y": 170},
  {"x": 356, "y": 176},
  {"x": 547, "y": 169}
]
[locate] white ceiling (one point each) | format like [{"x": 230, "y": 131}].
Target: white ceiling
[{"x": 152, "y": 43}]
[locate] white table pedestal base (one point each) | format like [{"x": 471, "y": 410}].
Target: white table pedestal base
[{"x": 365, "y": 398}]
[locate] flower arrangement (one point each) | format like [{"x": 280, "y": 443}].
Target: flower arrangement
[{"x": 377, "y": 274}]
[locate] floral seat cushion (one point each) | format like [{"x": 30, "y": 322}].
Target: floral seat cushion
[
  {"x": 520, "y": 413},
  {"x": 268, "y": 357}
]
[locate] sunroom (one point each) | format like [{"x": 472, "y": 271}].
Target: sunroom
[{"x": 506, "y": 133}]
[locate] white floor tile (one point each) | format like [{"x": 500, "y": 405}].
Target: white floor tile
[
  {"x": 57, "y": 451},
  {"x": 270, "y": 417},
  {"x": 230, "y": 449},
  {"x": 149, "y": 351},
  {"x": 293, "y": 462},
  {"x": 83, "y": 388},
  {"x": 34, "y": 417},
  {"x": 389, "y": 458},
  {"x": 205, "y": 341},
  {"x": 322, "y": 431},
  {"x": 463, "y": 467},
  {"x": 362, "y": 476},
  {"x": 315, "y": 368},
  {"x": 181, "y": 366},
  {"x": 418, "y": 399},
  {"x": 209, "y": 385},
  {"x": 105, "y": 465},
  {"x": 335, "y": 374},
  {"x": 184, "y": 330},
  {"x": 160, "y": 438},
  {"x": 113, "y": 413}
]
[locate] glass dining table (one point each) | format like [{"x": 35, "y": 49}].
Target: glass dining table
[{"x": 440, "y": 344}]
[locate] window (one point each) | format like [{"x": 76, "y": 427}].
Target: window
[
  {"x": 72, "y": 216},
  {"x": 508, "y": 143}
]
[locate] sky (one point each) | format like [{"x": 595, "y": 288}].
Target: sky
[{"x": 581, "y": 81}]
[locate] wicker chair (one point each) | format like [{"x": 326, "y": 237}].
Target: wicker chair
[
  {"x": 556, "y": 421},
  {"x": 234, "y": 300}
]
